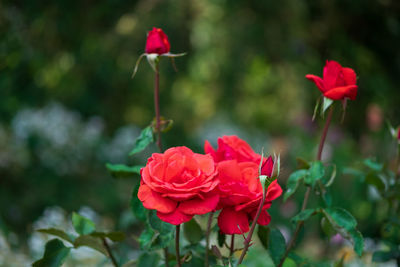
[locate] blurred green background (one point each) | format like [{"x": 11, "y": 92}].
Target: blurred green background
[{"x": 68, "y": 104}]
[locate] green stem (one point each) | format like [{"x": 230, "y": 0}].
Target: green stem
[{"x": 308, "y": 191}]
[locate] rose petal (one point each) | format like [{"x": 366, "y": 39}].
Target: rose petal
[
  {"x": 339, "y": 93},
  {"x": 176, "y": 217},
  {"x": 200, "y": 206},
  {"x": 318, "y": 82},
  {"x": 264, "y": 218},
  {"x": 153, "y": 200},
  {"x": 233, "y": 222},
  {"x": 331, "y": 75},
  {"x": 274, "y": 190},
  {"x": 349, "y": 76}
]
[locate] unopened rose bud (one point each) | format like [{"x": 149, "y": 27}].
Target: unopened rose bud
[{"x": 157, "y": 42}]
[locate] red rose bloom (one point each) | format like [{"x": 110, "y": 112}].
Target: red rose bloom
[
  {"x": 179, "y": 184},
  {"x": 232, "y": 147},
  {"x": 398, "y": 134},
  {"x": 337, "y": 83},
  {"x": 157, "y": 42},
  {"x": 240, "y": 195}
]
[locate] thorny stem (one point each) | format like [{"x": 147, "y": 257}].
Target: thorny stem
[
  {"x": 178, "y": 257},
  {"x": 247, "y": 240},
  {"x": 107, "y": 247},
  {"x": 158, "y": 130},
  {"x": 208, "y": 231},
  {"x": 157, "y": 107},
  {"x": 232, "y": 248},
  {"x": 307, "y": 194}
]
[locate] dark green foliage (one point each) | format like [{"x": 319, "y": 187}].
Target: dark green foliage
[
  {"x": 121, "y": 170},
  {"x": 276, "y": 245},
  {"x": 54, "y": 255},
  {"x": 82, "y": 225},
  {"x": 192, "y": 231},
  {"x": 146, "y": 137}
]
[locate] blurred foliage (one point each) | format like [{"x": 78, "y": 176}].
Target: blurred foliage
[{"x": 68, "y": 105}]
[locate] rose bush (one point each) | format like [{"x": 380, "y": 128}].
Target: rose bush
[
  {"x": 337, "y": 83},
  {"x": 241, "y": 192},
  {"x": 179, "y": 184},
  {"x": 157, "y": 42}
]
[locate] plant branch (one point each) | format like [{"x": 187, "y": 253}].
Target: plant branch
[
  {"x": 232, "y": 248},
  {"x": 157, "y": 107},
  {"x": 247, "y": 240},
  {"x": 178, "y": 257},
  {"x": 307, "y": 194},
  {"x": 107, "y": 247},
  {"x": 208, "y": 231}
]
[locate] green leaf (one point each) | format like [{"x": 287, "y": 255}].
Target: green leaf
[
  {"x": 303, "y": 215},
  {"x": 146, "y": 137},
  {"x": 158, "y": 225},
  {"x": 374, "y": 179},
  {"x": 289, "y": 263},
  {"x": 316, "y": 108},
  {"x": 192, "y": 231},
  {"x": 59, "y": 233},
  {"x": 302, "y": 164},
  {"x": 383, "y": 256},
  {"x": 82, "y": 225},
  {"x": 342, "y": 218},
  {"x": 122, "y": 171},
  {"x": 221, "y": 239},
  {"x": 263, "y": 235},
  {"x": 345, "y": 224},
  {"x": 91, "y": 242},
  {"x": 54, "y": 255},
  {"x": 164, "y": 232},
  {"x": 146, "y": 238},
  {"x": 113, "y": 236},
  {"x": 137, "y": 208},
  {"x": 317, "y": 172},
  {"x": 358, "y": 241},
  {"x": 147, "y": 260},
  {"x": 332, "y": 177},
  {"x": 277, "y": 245},
  {"x": 293, "y": 182},
  {"x": 327, "y": 227},
  {"x": 373, "y": 165},
  {"x": 327, "y": 197}
]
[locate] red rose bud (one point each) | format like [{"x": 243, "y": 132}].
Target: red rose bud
[
  {"x": 157, "y": 42},
  {"x": 398, "y": 134},
  {"x": 267, "y": 167},
  {"x": 338, "y": 83},
  {"x": 240, "y": 195},
  {"x": 179, "y": 184}
]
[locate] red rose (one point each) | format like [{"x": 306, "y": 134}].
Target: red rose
[
  {"x": 398, "y": 134},
  {"x": 240, "y": 195},
  {"x": 179, "y": 184},
  {"x": 157, "y": 42},
  {"x": 232, "y": 147},
  {"x": 337, "y": 83}
]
